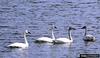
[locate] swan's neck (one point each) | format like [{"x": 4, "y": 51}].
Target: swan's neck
[
  {"x": 26, "y": 42},
  {"x": 69, "y": 34},
  {"x": 85, "y": 32},
  {"x": 53, "y": 37}
]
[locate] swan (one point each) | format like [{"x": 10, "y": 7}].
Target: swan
[
  {"x": 46, "y": 39},
  {"x": 65, "y": 40},
  {"x": 20, "y": 45},
  {"x": 88, "y": 38}
]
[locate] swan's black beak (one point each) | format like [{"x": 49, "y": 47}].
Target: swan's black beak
[
  {"x": 73, "y": 28},
  {"x": 84, "y": 27},
  {"x": 55, "y": 27},
  {"x": 29, "y": 32}
]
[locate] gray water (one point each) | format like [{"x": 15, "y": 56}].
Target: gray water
[{"x": 37, "y": 15}]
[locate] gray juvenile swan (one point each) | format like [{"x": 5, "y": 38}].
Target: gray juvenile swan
[
  {"x": 88, "y": 38},
  {"x": 20, "y": 45}
]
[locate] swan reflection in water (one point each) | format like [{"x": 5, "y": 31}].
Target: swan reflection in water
[{"x": 58, "y": 50}]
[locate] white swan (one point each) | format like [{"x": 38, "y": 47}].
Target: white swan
[
  {"x": 46, "y": 39},
  {"x": 20, "y": 45},
  {"x": 65, "y": 40},
  {"x": 88, "y": 38}
]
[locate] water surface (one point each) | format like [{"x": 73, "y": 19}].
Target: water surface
[{"x": 37, "y": 16}]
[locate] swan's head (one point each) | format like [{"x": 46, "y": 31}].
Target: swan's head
[
  {"x": 71, "y": 28},
  {"x": 84, "y": 27},
  {"x": 27, "y": 32},
  {"x": 53, "y": 27}
]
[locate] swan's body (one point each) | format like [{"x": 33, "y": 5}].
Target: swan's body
[
  {"x": 62, "y": 41},
  {"x": 20, "y": 45},
  {"x": 65, "y": 40},
  {"x": 88, "y": 38},
  {"x": 46, "y": 39}
]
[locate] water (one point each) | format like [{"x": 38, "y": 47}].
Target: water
[{"x": 36, "y": 16}]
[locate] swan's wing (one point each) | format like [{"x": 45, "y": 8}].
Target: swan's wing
[
  {"x": 46, "y": 39},
  {"x": 63, "y": 40},
  {"x": 17, "y": 45},
  {"x": 90, "y": 37}
]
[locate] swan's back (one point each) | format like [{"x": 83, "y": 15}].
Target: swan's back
[
  {"x": 44, "y": 39},
  {"x": 62, "y": 40},
  {"x": 18, "y": 45},
  {"x": 89, "y": 38}
]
